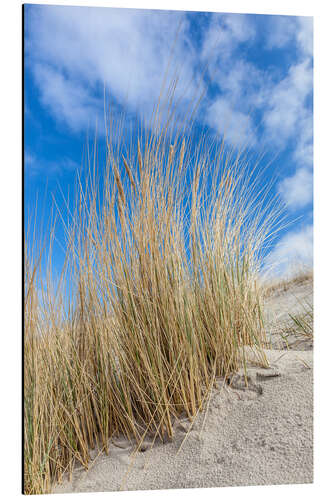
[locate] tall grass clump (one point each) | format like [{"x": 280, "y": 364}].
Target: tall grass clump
[{"x": 164, "y": 247}]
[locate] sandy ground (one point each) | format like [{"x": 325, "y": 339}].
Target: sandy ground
[
  {"x": 262, "y": 434},
  {"x": 278, "y": 306}
]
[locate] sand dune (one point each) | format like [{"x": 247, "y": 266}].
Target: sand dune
[
  {"x": 260, "y": 435},
  {"x": 282, "y": 302}
]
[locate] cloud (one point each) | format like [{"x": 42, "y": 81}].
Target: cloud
[
  {"x": 29, "y": 159},
  {"x": 303, "y": 153},
  {"x": 237, "y": 127},
  {"x": 288, "y": 121},
  {"x": 283, "y": 30},
  {"x": 280, "y": 31},
  {"x": 282, "y": 104},
  {"x": 288, "y": 115},
  {"x": 240, "y": 26},
  {"x": 35, "y": 166},
  {"x": 297, "y": 190},
  {"x": 68, "y": 100},
  {"x": 238, "y": 81},
  {"x": 288, "y": 103},
  {"x": 222, "y": 39},
  {"x": 74, "y": 51},
  {"x": 292, "y": 251},
  {"x": 243, "y": 82},
  {"x": 304, "y": 35},
  {"x": 223, "y": 35}
]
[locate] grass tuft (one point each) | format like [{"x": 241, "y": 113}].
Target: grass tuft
[{"x": 163, "y": 266}]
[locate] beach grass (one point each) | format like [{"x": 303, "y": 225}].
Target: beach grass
[{"x": 164, "y": 248}]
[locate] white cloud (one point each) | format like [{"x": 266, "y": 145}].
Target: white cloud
[
  {"x": 287, "y": 103},
  {"x": 68, "y": 100},
  {"x": 244, "y": 87},
  {"x": 224, "y": 34},
  {"x": 237, "y": 127},
  {"x": 229, "y": 113},
  {"x": 297, "y": 190},
  {"x": 73, "y": 51},
  {"x": 280, "y": 31},
  {"x": 283, "y": 105},
  {"x": 240, "y": 26},
  {"x": 288, "y": 115},
  {"x": 289, "y": 120},
  {"x": 292, "y": 251},
  {"x": 126, "y": 49},
  {"x": 242, "y": 82},
  {"x": 34, "y": 166},
  {"x": 303, "y": 153},
  {"x": 305, "y": 35}
]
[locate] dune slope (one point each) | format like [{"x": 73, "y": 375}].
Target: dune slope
[{"x": 258, "y": 435}]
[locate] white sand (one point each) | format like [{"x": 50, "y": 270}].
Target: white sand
[
  {"x": 279, "y": 305},
  {"x": 245, "y": 438}
]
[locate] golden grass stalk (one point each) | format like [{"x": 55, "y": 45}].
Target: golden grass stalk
[{"x": 164, "y": 299}]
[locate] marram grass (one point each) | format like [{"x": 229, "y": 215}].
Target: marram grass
[{"x": 163, "y": 262}]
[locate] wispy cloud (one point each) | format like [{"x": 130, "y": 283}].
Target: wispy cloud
[
  {"x": 288, "y": 121},
  {"x": 227, "y": 112},
  {"x": 242, "y": 81},
  {"x": 224, "y": 34},
  {"x": 280, "y": 101},
  {"x": 280, "y": 31},
  {"x": 29, "y": 158},
  {"x": 73, "y": 52},
  {"x": 236, "y": 127},
  {"x": 283, "y": 30},
  {"x": 291, "y": 251},
  {"x": 287, "y": 103},
  {"x": 288, "y": 116},
  {"x": 297, "y": 190},
  {"x": 68, "y": 100},
  {"x": 305, "y": 35},
  {"x": 35, "y": 166}
]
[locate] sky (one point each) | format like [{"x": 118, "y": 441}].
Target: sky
[{"x": 256, "y": 72}]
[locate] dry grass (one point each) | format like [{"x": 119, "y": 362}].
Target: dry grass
[
  {"x": 163, "y": 264},
  {"x": 303, "y": 322},
  {"x": 299, "y": 329},
  {"x": 289, "y": 310}
]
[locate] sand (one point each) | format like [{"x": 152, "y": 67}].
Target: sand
[
  {"x": 259, "y": 435},
  {"x": 277, "y": 308},
  {"x": 245, "y": 438}
]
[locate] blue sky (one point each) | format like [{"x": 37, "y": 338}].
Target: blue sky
[{"x": 255, "y": 70}]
